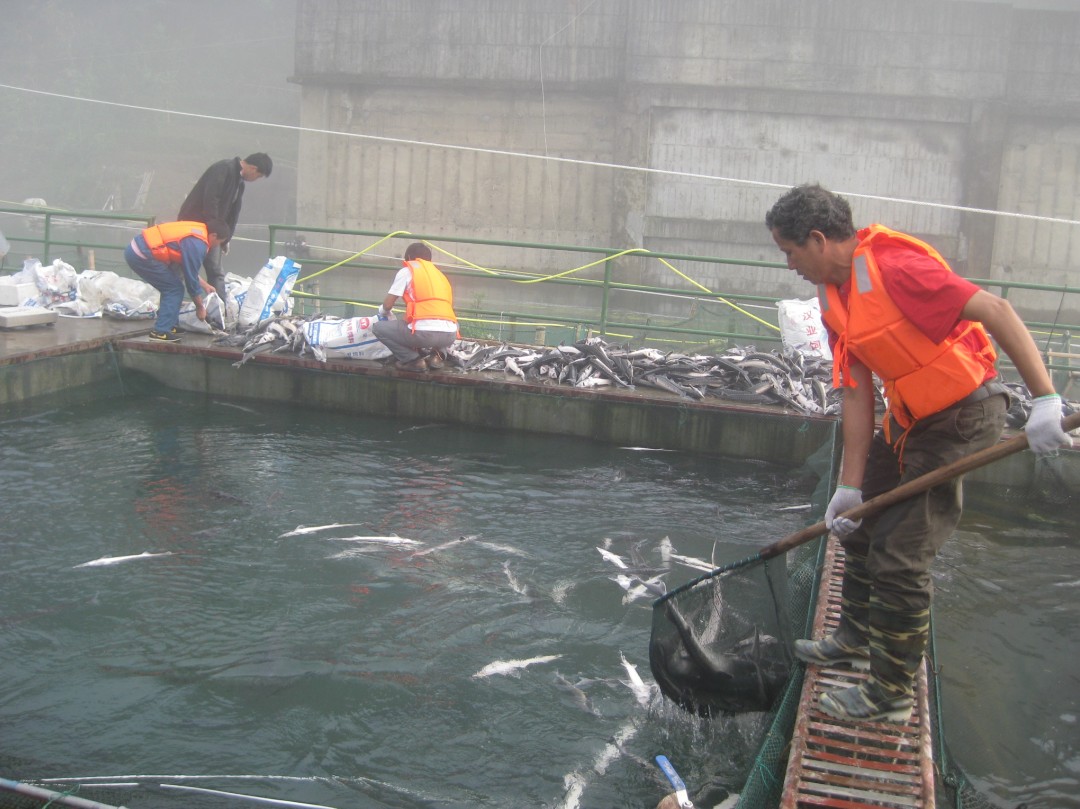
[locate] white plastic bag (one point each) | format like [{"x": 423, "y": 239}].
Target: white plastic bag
[
  {"x": 56, "y": 282},
  {"x": 349, "y": 338},
  {"x": 268, "y": 293},
  {"x": 215, "y": 318},
  {"x": 106, "y": 292},
  {"x": 801, "y": 328}
]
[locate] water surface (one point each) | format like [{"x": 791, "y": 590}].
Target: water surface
[{"x": 333, "y": 671}]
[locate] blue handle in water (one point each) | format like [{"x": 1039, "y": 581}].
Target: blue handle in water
[{"x": 676, "y": 782}]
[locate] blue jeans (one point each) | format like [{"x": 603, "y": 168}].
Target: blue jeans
[{"x": 165, "y": 280}]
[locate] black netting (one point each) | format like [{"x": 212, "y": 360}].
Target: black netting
[{"x": 724, "y": 644}]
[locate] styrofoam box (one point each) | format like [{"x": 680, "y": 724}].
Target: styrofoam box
[
  {"x": 12, "y": 294},
  {"x": 13, "y": 316}
]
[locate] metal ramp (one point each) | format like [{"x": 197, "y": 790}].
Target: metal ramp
[{"x": 850, "y": 765}]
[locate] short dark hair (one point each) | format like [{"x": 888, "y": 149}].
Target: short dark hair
[
  {"x": 810, "y": 207},
  {"x": 417, "y": 250},
  {"x": 261, "y": 161},
  {"x": 223, "y": 231}
]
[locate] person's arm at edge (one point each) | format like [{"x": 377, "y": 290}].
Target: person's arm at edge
[
  {"x": 857, "y": 425},
  {"x": 1008, "y": 330}
]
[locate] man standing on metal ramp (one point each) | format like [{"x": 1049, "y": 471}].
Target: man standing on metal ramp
[{"x": 893, "y": 307}]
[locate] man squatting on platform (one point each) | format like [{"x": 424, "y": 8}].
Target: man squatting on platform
[
  {"x": 893, "y": 307},
  {"x": 430, "y": 324}
]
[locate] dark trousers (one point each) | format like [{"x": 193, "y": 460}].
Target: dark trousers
[
  {"x": 900, "y": 543},
  {"x": 887, "y": 587},
  {"x": 406, "y": 344},
  {"x": 215, "y": 274}
]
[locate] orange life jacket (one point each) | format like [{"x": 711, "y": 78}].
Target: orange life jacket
[
  {"x": 920, "y": 377},
  {"x": 429, "y": 297},
  {"x": 162, "y": 239}
]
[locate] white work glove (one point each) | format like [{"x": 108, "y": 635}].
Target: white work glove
[
  {"x": 1044, "y": 433},
  {"x": 845, "y": 499},
  {"x": 225, "y": 249},
  {"x": 383, "y": 314}
]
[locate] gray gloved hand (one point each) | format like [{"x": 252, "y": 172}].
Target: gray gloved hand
[
  {"x": 844, "y": 499},
  {"x": 382, "y": 314},
  {"x": 1044, "y": 433},
  {"x": 225, "y": 249}
]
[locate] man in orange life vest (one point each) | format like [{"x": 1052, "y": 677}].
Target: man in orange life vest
[
  {"x": 893, "y": 307},
  {"x": 168, "y": 257},
  {"x": 430, "y": 322}
]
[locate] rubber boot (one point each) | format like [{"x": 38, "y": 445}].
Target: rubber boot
[
  {"x": 850, "y": 643},
  {"x": 898, "y": 641}
]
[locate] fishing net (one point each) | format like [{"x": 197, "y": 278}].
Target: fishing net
[
  {"x": 722, "y": 644},
  {"x": 781, "y": 592}
]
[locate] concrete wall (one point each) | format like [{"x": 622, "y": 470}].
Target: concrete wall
[{"x": 940, "y": 102}]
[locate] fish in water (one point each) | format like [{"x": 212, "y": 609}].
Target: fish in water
[
  {"x": 512, "y": 666},
  {"x": 577, "y": 695},
  {"x": 692, "y": 562},
  {"x": 445, "y": 545},
  {"x": 642, "y": 693},
  {"x": 637, "y": 587},
  {"x": 300, "y": 530},
  {"x": 515, "y": 585},
  {"x": 114, "y": 560},
  {"x": 376, "y": 540},
  {"x": 614, "y": 558}
]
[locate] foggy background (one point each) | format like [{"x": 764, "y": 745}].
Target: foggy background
[
  {"x": 222, "y": 60},
  {"x": 226, "y": 62}
]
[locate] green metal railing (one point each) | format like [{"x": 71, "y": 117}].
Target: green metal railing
[
  {"x": 39, "y": 229},
  {"x": 46, "y": 232},
  {"x": 604, "y": 319}
]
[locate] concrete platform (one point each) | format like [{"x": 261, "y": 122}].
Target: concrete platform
[{"x": 66, "y": 335}]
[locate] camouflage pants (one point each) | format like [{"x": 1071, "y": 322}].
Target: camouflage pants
[{"x": 887, "y": 585}]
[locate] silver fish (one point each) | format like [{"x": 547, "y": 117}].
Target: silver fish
[
  {"x": 642, "y": 693},
  {"x": 515, "y": 585},
  {"x": 577, "y": 695},
  {"x": 376, "y": 540},
  {"x": 512, "y": 666},
  {"x": 690, "y": 561},
  {"x": 311, "y": 529},
  {"x": 495, "y": 546},
  {"x": 614, "y": 558},
  {"x": 445, "y": 545},
  {"x": 113, "y": 560}
]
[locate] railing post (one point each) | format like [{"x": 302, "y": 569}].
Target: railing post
[
  {"x": 46, "y": 239},
  {"x": 607, "y": 291}
]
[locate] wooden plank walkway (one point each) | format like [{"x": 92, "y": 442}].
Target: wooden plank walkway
[{"x": 855, "y": 765}]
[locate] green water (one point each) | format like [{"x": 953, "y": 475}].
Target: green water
[{"x": 330, "y": 672}]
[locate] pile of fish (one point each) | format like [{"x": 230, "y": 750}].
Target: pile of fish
[
  {"x": 279, "y": 334},
  {"x": 743, "y": 375}
]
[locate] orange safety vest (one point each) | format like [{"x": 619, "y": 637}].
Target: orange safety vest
[
  {"x": 162, "y": 239},
  {"x": 920, "y": 377},
  {"x": 429, "y": 297}
]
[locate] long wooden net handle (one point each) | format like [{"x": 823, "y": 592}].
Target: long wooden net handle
[{"x": 912, "y": 487}]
